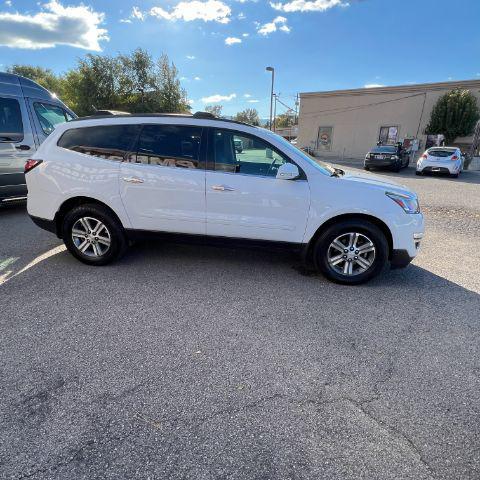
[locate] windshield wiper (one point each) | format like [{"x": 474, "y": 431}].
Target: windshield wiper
[{"x": 337, "y": 172}]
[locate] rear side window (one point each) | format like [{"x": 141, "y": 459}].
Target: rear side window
[
  {"x": 111, "y": 142},
  {"x": 11, "y": 125},
  {"x": 170, "y": 146},
  {"x": 49, "y": 116}
]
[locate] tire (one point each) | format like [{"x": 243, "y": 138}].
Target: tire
[
  {"x": 398, "y": 166},
  {"x": 454, "y": 175},
  {"x": 366, "y": 168},
  {"x": 324, "y": 252},
  {"x": 89, "y": 248},
  {"x": 418, "y": 172}
]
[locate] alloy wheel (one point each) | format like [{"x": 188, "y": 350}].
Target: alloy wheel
[
  {"x": 351, "y": 254},
  {"x": 91, "y": 237}
]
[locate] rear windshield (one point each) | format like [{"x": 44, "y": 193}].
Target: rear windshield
[
  {"x": 384, "y": 149},
  {"x": 441, "y": 152}
]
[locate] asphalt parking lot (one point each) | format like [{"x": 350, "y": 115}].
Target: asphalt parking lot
[{"x": 181, "y": 362}]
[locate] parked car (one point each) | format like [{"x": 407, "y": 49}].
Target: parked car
[
  {"x": 447, "y": 160},
  {"x": 99, "y": 182},
  {"x": 28, "y": 114},
  {"x": 386, "y": 156},
  {"x": 238, "y": 145}
]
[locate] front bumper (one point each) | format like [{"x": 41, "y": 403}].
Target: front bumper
[{"x": 387, "y": 162}]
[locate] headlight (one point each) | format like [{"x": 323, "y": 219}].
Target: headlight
[
  {"x": 409, "y": 203},
  {"x": 394, "y": 157}
]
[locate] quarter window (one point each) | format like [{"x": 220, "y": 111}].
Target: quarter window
[
  {"x": 236, "y": 153},
  {"x": 11, "y": 126},
  {"x": 112, "y": 142},
  {"x": 170, "y": 146},
  {"x": 388, "y": 135},
  {"x": 50, "y": 116}
]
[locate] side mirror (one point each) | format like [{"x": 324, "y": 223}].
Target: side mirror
[{"x": 288, "y": 171}]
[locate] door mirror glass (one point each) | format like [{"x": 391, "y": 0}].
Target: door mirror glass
[{"x": 288, "y": 171}]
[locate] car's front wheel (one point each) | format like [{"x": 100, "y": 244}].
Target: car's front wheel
[
  {"x": 93, "y": 235},
  {"x": 351, "y": 252}
]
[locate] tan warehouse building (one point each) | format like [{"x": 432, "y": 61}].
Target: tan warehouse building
[{"x": 347, "y": 123}]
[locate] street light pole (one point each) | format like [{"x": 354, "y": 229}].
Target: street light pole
[{"x": 271, "y": 69}]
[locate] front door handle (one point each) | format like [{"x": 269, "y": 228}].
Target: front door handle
[
  {"x": 133, "y": 180},
  {"x": 222, "y": 188},
  {"x": 22, "y": 147}
]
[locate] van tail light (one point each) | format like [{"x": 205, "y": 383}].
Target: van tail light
[
  {"x": 454, "y": 157},
  {"x": 424, "y": 155},
  {"x": 31, "y": 164}
]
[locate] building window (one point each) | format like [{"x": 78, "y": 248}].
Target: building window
[
  {"x": 324, "y": 140},
  {"x": 388, "y": 135}
]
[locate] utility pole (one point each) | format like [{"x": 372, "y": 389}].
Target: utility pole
[
  {"x": 274, "y": 110},
  {"x": 271, "y": 69}
]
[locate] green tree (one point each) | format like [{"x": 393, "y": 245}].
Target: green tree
[
  {"x": 249, "y": 115},
  {"x": 43, "y": 76},
  {"x": 214, "y": 110},
  {"x": 285, "y": 120},
  {"x": 454, "y": 115}
]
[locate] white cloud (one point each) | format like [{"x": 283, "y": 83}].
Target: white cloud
[
  {"x": 190, "y": 57},
  {"x": 232, "y": 40},
  {"x": 137, "y": 13},
  {"x": 125, "y": 20},
  {"x": 373, "y": 85},
  {"x": 241, "y": 16},
  {"x": 247, "y": 95},
  {"x": 197, "y": 78},
  {"x": 208, "y": 11},
  {"x": 273, "y": 26},
  {"x": 245, "y": 35},
  {"x": 253, "y": 101},
  {"x": 54, "y": 25},
  {"x": 190, "y": 102},
  {"x": 308, "y": 5},
  {"x": 8, "y": 3},
  {"x": 217, "y": 98}
]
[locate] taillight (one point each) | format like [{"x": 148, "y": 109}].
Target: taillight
[
  {"x": 31, "y": 164},
  {"x": 424, "y": 155},
  {"x": 454, "y": 157}
]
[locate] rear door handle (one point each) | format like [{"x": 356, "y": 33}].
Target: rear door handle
[
  {"x": 222, "y": 188},
  {"x": 133, "y": 180},
  {"x": 22, "y": 147}
]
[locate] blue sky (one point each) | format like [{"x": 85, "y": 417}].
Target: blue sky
[{"x": 221, "y": 47}]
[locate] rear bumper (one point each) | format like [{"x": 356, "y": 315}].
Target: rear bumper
[
  {"x": 45, "y": 224},
  {"x": 439, "y": 167}
]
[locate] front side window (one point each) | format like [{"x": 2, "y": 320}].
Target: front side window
[
  {"x": 50, "y": 116},
  {"x": 248, "y": 155},
  {"x": 11, "y": 125},
  {"x": 111, "y": 142},
  {"x": 170, "y": 146},
  {"x": 388, "y": 135}
]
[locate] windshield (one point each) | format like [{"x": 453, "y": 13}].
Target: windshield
[
  {"x": 324, "y": 167},
  {"x": 384, "y": 149},
  {"x": 441, "y": 152}
]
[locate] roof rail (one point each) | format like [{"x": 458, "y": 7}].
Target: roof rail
[{"x": 208, "y": 115}]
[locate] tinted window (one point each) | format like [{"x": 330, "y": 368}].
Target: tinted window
[
  {"x": 236, "y": 153},
  {"x": 384, "y": 150},
  {"x": 11, "y": 126},
  {"x": 440, "y": 152},
  {"x": 169, "y": 146},
  {"x": 112, "y": 142},
  {"x": 49, "y": 116}
]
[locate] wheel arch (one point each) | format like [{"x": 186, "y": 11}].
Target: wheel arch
[
  {"x": 73, "y": 202},
  {"x": 349, "y": 216}
]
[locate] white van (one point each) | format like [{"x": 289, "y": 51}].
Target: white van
[{"x": 28, "y": 114}]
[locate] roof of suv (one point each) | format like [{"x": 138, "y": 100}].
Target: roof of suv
[{"x": 195, "y": 116}]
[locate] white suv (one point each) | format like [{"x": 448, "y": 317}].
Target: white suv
[{"x": 100, "y": 182}]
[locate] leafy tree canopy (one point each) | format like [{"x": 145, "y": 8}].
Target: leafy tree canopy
[
  {"x": 249, "y": 115},
  {"x": 454, "y": 115},
  {"x": 134, "y": 83},
  {"x": 214, "y": 110}
]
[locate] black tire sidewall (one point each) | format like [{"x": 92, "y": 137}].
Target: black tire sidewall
[
  {"x": 365, "y": 227},
  {"x": 117, "y": 236}
]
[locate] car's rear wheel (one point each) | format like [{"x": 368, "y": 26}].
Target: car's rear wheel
[
  {"x": 93, "y": 235},
  {"x": 351, "y": 252}
]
